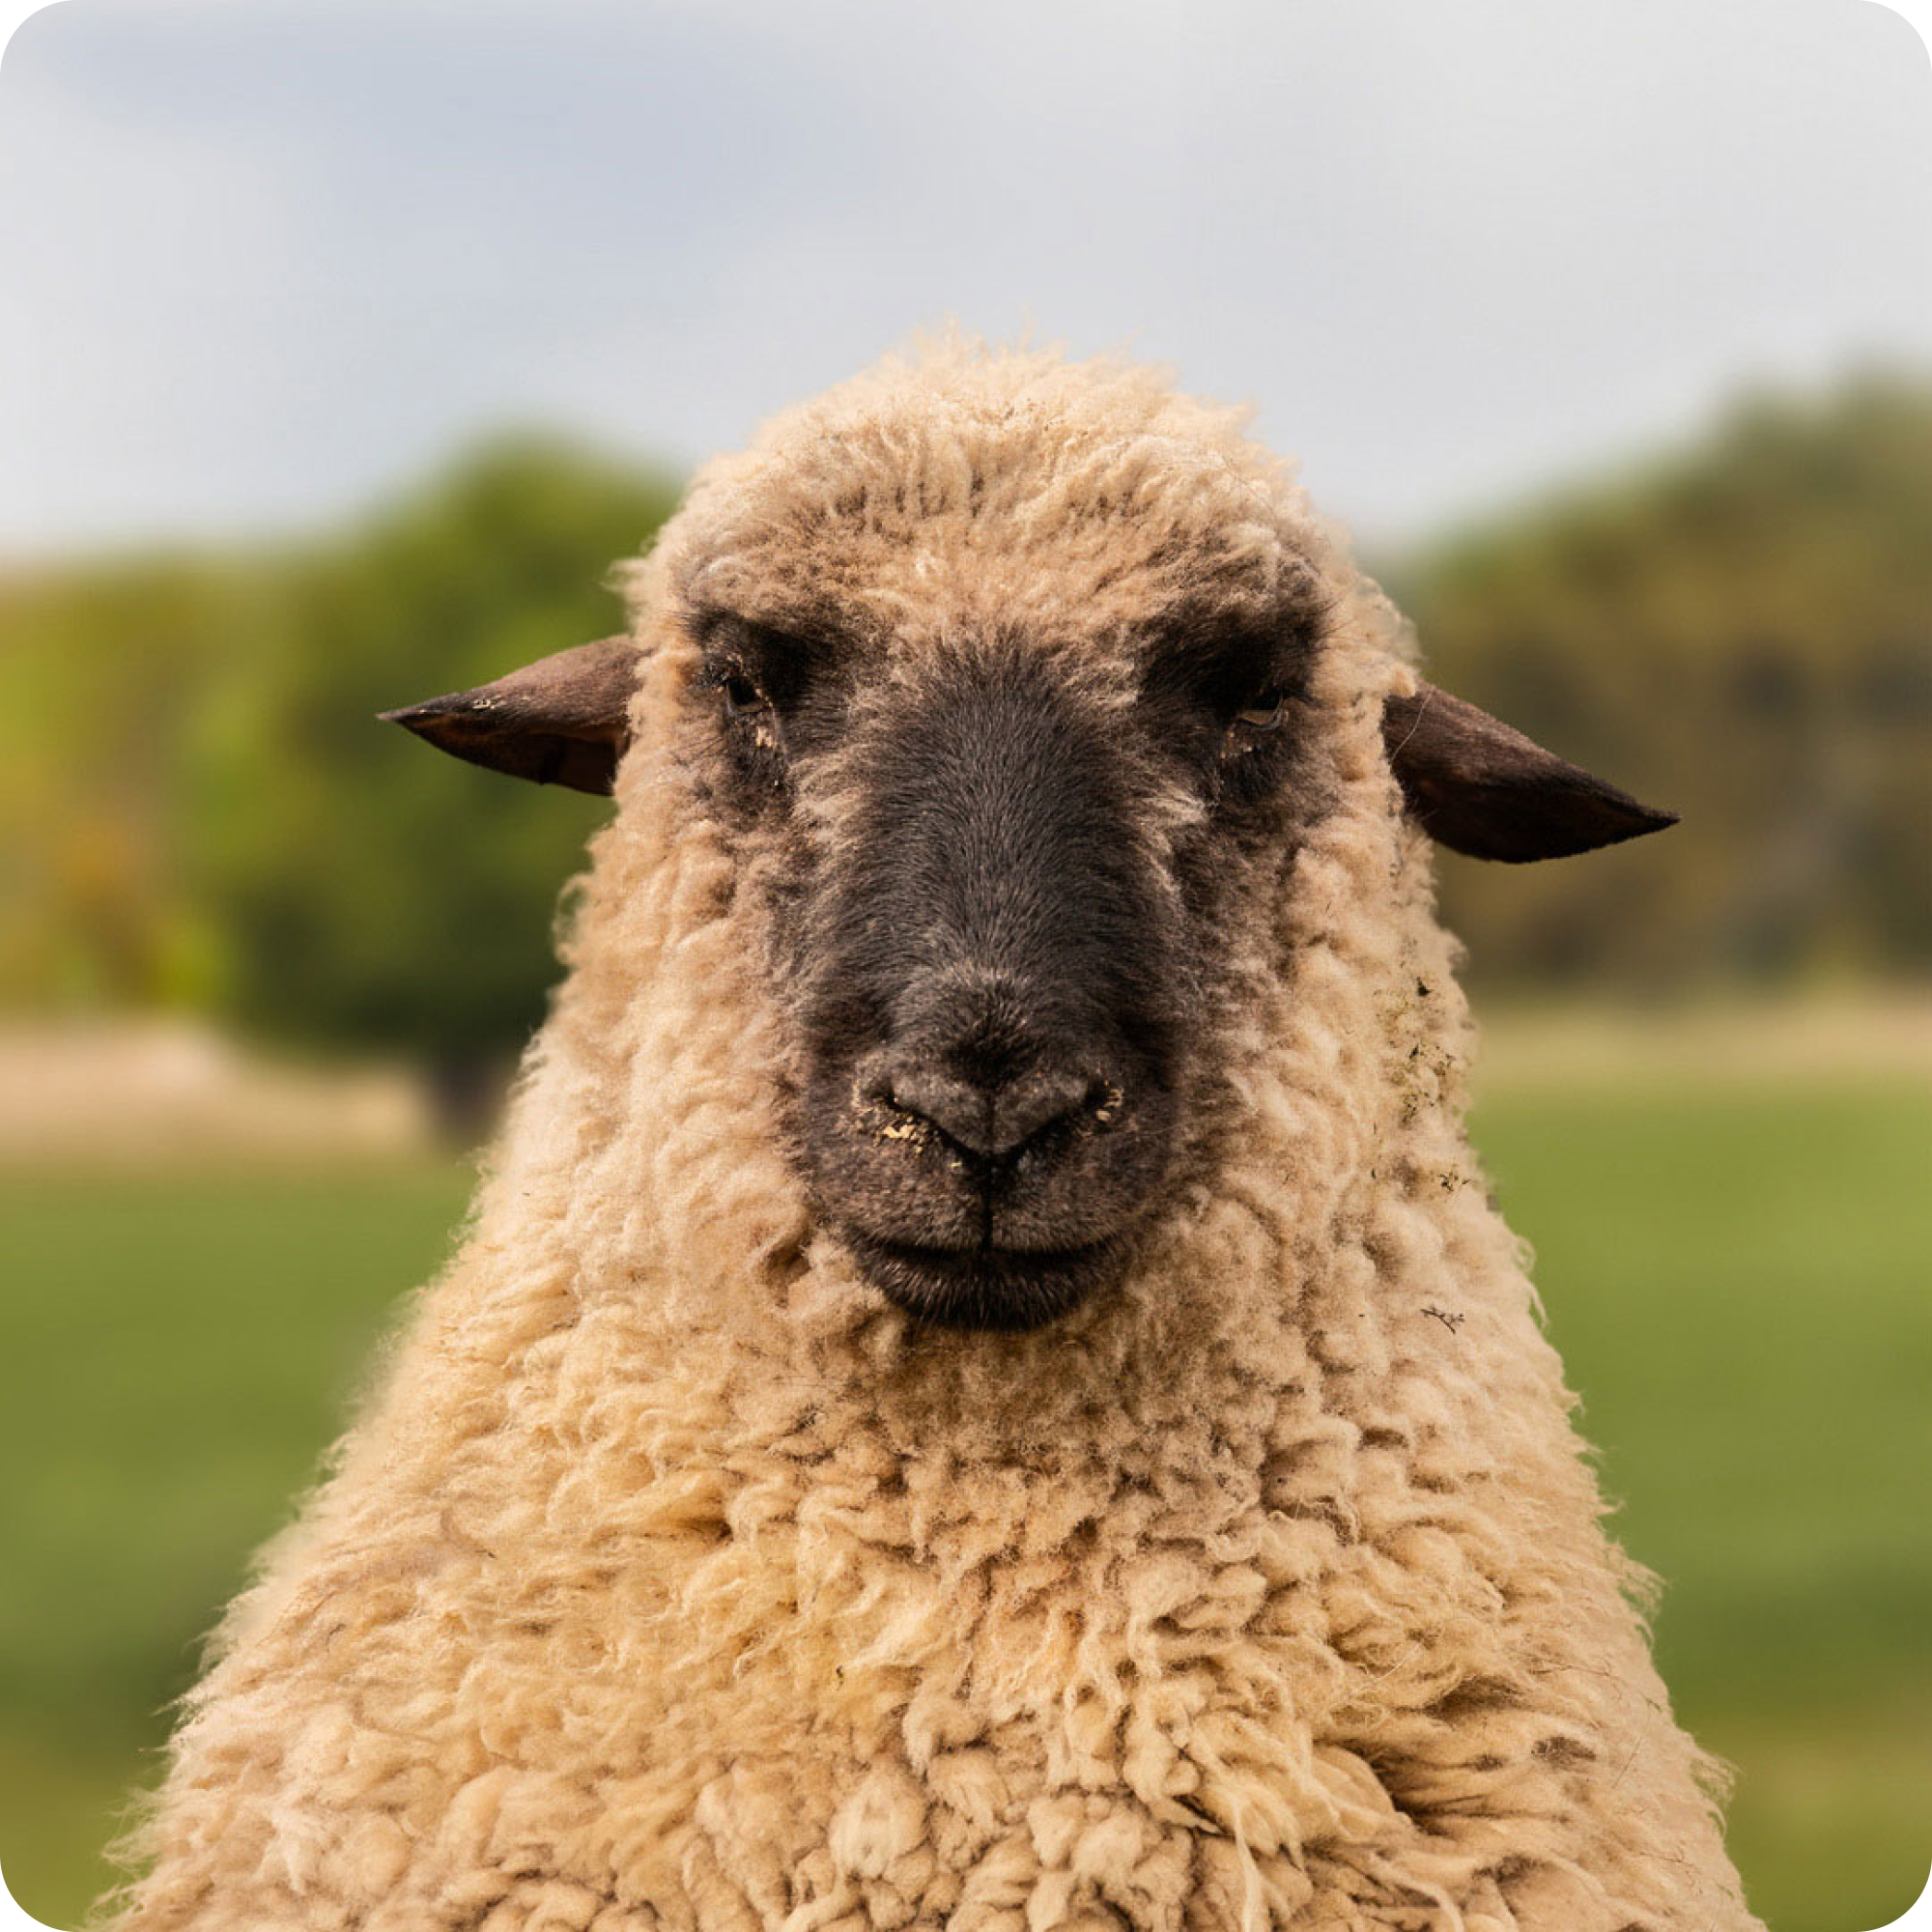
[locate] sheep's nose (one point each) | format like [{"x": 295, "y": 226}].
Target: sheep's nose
[{"x": 993, "y": 1119}]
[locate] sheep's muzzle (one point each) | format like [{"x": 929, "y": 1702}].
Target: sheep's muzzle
[{"x": 988, "y": 1024}]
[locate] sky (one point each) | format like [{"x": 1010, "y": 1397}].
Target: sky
[{"x": 263, "y": 259}]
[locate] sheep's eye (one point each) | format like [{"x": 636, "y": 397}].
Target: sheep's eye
[
  {"x": 742, "y": 696},
  {"x": 1265, "y": 713}
]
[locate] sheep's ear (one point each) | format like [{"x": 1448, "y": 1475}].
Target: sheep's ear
[
  {"x": 1477, "y": 786},
  {"x": 560, "y": 721}
]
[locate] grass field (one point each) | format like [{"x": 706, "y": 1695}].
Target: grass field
[{"x": 1737, "y": 1275}]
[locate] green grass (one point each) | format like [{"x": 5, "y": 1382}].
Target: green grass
[
  {"x": 179, "y": 1351},
  {"x": 1738, "y": 1283}
]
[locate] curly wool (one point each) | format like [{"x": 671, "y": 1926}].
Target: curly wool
[{"x": 673, "y": 1581}]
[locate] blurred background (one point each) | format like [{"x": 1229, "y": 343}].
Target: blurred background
[{"x": 347, "y": 347}]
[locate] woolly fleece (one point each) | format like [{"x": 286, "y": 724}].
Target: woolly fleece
[{"x": 673, "y": 1581}]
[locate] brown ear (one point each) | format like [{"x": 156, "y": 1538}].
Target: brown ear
[
  {"x": 1477, "y": 786},
  {"x": 563, "y": 719}
]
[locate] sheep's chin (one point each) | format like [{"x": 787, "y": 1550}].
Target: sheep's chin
[{"x": 986, "y": 1287}]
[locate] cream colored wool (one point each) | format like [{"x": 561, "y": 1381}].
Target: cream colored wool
[{"x": 676, "y": 1582}]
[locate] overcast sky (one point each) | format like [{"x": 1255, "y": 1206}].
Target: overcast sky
[{"x": 261, "y": 259}]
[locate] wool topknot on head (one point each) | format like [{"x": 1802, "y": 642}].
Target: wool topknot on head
[{"x": 984, "y": 1388}]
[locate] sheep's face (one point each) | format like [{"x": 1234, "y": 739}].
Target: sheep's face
[
  {"x": 1011, "y": 686},
  {"x": 999, "y": 874}
]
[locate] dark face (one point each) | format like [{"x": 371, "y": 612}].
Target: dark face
[{"x": 994, "y": 876}]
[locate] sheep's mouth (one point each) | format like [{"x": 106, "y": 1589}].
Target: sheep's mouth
[{"x": 1006, "y": 1289}]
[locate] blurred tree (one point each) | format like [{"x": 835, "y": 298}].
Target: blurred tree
[
  {"x": 215, "y": 818},
  {"x": 1743, "y": 632},
  {"x": 102, "y": 668},
  {"x": 378, "y": 894}
]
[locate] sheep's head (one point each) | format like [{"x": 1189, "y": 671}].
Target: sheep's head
[{"x": 1008, "y": 698}]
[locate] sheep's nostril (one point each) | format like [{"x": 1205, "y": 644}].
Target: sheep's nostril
[
  {"x": 992, "y": 1122},
  {"x": 963, "y": 1114},
  {"x": 1102, "y": 1102}
]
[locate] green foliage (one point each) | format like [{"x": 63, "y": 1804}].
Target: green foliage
[
  {"x": 219, "y": 821},
  {"x": 103, "y": 671},
  {"x": 1743, "y": 634},
  {"x": 380, "y": 895}
]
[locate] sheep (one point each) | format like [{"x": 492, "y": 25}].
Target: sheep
[{"x": 984, "y": 1387}]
